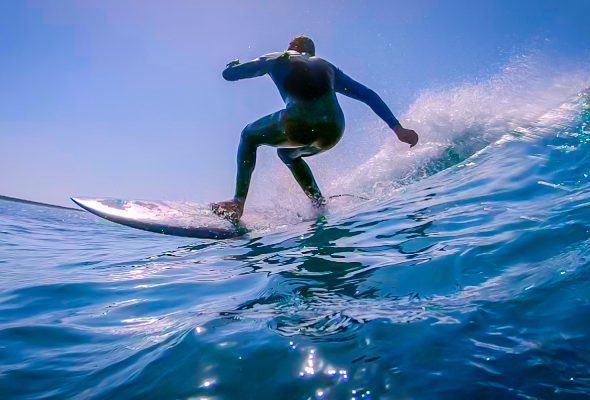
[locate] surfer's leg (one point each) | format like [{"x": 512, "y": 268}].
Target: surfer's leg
[
  {"x": 293, "y": 159},
  {"x": 268, "y": 130}
]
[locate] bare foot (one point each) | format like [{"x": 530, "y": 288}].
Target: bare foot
[
  {"x": 319, "y": 203},
  {"x": 230, "y": 210}
]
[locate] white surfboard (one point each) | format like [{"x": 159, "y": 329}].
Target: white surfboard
[
  {"x": 167, "y": 217},
  {"x": 185, "y": 218}
]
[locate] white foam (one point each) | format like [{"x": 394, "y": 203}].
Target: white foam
[{"x": 528, "y": 97}]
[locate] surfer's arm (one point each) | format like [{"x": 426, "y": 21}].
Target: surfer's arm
[
  {"x": 349, "y": 87},
  {"x": 250, "y": 69}
]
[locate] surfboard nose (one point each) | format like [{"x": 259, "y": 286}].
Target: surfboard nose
[{"x": 80, "y": 202}]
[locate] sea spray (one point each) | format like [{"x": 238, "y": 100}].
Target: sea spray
[{"x": 529, "y": 96}]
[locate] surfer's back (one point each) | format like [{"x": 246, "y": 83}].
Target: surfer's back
[{"x": 302, "y": 78}]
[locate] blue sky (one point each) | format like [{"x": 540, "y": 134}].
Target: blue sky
[{"x": 126, "y": 99}]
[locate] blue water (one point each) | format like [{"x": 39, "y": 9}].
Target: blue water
[{"x": 467, "y": 277}]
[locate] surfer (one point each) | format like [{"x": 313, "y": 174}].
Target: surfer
[{"x": 312, "y": 121}]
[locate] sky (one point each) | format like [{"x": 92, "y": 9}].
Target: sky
[{"x": 126, "y": 99}]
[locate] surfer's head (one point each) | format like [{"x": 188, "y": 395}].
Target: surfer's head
[{"x": 302, "y": 44}]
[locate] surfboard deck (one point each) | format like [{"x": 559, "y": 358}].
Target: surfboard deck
[{"x": 167, "y": 217}]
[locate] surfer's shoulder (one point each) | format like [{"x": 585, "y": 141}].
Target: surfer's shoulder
[
  {"x": 325, "y": 64},
  {"x": 322, "y": 61},
  {"x": 274, "y": 56},
  {"x": 282, "y": 55}
]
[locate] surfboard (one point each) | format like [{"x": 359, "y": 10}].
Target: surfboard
[
  {"x": 168, "y": 217},
  {"x": 189, "y": 219}
]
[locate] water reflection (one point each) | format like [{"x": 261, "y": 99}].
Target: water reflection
[{"x": 329, "y": 280}]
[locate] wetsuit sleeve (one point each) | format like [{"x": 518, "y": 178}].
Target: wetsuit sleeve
[
  {"x": 349, "y": 87},
  {"x": 250, "y": 69}
]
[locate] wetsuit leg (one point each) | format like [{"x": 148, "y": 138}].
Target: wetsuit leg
[
  {"x": 269, "y": 130},
  {"x": 293, "y": 159}
]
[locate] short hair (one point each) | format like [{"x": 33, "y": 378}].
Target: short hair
[{"x": 302, "y": 44}]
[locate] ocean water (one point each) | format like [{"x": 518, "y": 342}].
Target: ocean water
[{"x": 465, "y": 275}]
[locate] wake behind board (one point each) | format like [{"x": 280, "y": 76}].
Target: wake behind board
[{"x": 167, "y": 217}]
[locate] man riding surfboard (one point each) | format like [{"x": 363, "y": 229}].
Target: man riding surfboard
[{"x": 312, "y": 121}]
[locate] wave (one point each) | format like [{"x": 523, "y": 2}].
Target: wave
[{"x": 529, "y": 97}]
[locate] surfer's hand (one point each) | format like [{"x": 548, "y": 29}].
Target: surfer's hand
[
  {"x": 233, "y": 63},
  {"x": 408, "y": 136}
]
